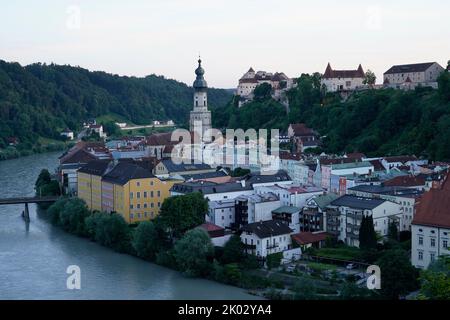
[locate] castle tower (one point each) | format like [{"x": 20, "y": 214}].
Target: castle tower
[{"x": 200, "y": 118}]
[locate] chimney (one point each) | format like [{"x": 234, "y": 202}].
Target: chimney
[{"x": 243, "y": 183}]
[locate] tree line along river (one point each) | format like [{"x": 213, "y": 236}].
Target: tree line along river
[{"x": 34, "y": 257}]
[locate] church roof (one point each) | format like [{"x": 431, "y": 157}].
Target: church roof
[
  {"x": 200, "y": 82},
  {"x": 330, "y": 73}
]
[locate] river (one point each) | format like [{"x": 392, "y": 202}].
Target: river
[{"x": 34, "y": 257}]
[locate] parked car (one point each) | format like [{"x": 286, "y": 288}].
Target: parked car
[
  {"x": 350, "y": 266},
  {"x": 290, "y": 268}
]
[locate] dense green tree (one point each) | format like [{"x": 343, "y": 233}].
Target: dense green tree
[
  {"x": 369, "y": 78},
  {"x": 41, "y": 100},
  {"x": 146, "y": 241},
  {"x": 55, "y": 209},
  {"x": 181, "y": 213},
  {"x": 194, "y": 252},
  {"x": 435, "y": 282},
  {"x": 398, "y": 276},
  {"x": 72, "y": 216},
  {"x": 239, "y": 172},
  {"x": 43, "y": 179},
  {"x": 393, "y": 231},
  {"x": 262, "y": 91},
  {"x": 367, "y": 235},
  {"x": 233, "y": 250},
  {"x": 109, "y": 230}
]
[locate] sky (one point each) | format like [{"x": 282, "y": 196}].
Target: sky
[{"x": 137, "y": 38}]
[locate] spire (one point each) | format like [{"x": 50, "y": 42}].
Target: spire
[
  {"x": 200, "y": 82},
  {"x": 328, "y": 72}
]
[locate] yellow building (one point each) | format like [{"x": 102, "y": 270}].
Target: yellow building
[
  {"x": 89, "y": 185},
  {"x": 134, "y": 192}
]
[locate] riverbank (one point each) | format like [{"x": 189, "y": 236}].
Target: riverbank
[{"x": 12, "y": 152}]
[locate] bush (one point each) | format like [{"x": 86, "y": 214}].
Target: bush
[
  {"x": 145, "y": 241},
  {"x": 233, "y": 250},
  {"x": 72, "y": 216},
  {"x": 110, "y": 230},
  {"x": 55, "y": 209},
  {"x": 193, "y": 253},
  {"x": 274, "y": 260}
]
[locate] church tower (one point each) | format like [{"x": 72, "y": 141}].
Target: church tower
[{"x": 200, "y": 119}]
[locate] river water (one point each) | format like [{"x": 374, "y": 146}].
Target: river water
[{"x": 34, "y": 257}]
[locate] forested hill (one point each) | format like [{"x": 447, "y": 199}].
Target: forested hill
[
  {"x": 40, "y": 100},
  {"x": 376, "y": 122}
]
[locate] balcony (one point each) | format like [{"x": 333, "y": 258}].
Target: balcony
[
  {"x": 249, "y": 246},
  {"x": 272, "y": 246}
]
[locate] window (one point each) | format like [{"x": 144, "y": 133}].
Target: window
[
  {"x": 151, "y": 182},
  {"x": 131, "y": 215},
  {"x": 138, "y": 205},
  {"x": 138, "y": 184},
  {"x": 145, "y": 205},
  {"x": 145, "y": 194},
  {"x": 138, "y": 195},
  {"x": 151, "y": 194},
  {"x": 445, "y": 243},
  {"x": 432, "y": 257},
  {"x": 420, "y": 241},
  {"x": 131, "y": 195},
  {"x": 432, "y": 242},
  {"x": 152, "y": 205},
  {"x": 159, "y": 193},
  {"x": 420, "y": 255},
  {"x": 131, "y": 206}
]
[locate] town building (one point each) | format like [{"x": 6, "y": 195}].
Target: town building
[
  {"x": 213, "y": 191},
  {"x": 200, "y": 116},
  {"x": 90, "y": 183},
  {"x": 313, "y": 215},
  {"x": 342, "y": 80},
  {"x": 254, "y": 208},
  {"x": 219, "y": 236},
  {"x": 221, "y": 213},
  {"x": 310, "y": 239},
  {"x": 291, "y": 194},
  {"x": 288, "y": 215},
  {"x": 167, "y": 168},
  {"x": 409, "y": 76},
  {"x": 401, "y": 161},
  {"x": 67, "y": 133},
  {"x": 303, "y": 137},
  {"x": 347, "y": 212},
  {"x": 342, "y": 170},
  {"x": 266, "y": 237},
  {"x": 407, "y": 198},
  {"x": 134, "y": 192},
  {"x": 430, "y": 232}
]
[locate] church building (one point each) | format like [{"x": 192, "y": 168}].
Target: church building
[{"x": 200, "y": 118}]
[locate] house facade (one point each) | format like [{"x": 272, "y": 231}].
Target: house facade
[
  {"x": 342, "y": 80},
  {"x": 409, "y": 76}
]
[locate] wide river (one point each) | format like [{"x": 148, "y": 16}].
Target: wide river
[{"x": 34, "y": 257}]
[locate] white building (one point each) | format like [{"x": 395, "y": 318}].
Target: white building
[
  {"x": 399, "y": 161},
  {"x": 266, "y": 237},
  {"x": 68, "y": 134},
  {"x": 291, "y": 194},
  {"x": 409, "y": 76},
  {"x": 405, "y": 197},
  {"x": 342, "y": 80},
  {"x": 348, "y": 211},
  {"x": 221, "y": 213},
  {"x": 289, "y": 215},
  {"x": 430, "y": 230},
  {"x": 255, "y": 208}
]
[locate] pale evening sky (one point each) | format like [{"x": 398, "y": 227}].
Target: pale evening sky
[{"x": 164, "y": 37}]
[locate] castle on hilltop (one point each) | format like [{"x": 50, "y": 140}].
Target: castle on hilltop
[{"x": 279, "y": 82}]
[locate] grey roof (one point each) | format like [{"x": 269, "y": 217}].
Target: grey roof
[
  {"x": 173, "y": 167},
  {"x": 324, "y": 200},
  {"x": 286, "y": 209},
  {"x": 206, "y": 175},
  {"x": 126, "y": 171},
  {"x": 209, "y": 187},
  {"x": 387, "y": 190},
  {"x": 406, "y": 68},
  {"x": 280, "y": 176},
  {"x": 95, "y": 167},
  {"x": 266, "y": 229},
  {"x": 357, "y": 202},
  {"x": 200, "y": 82}
]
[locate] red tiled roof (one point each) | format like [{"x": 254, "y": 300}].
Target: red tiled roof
[
  {"x": 433, "y": 208},
  {"x": 405, "y": 181},
  {"x": 330, "y": 73},
  {"x": 325, "y": 162},
  {"x": 210, "y": 227},
  {"x": 377, "y": 165},
  {"x": 78, "y": 156},
  {"x": 402, "y": 159},
  {"x": 300, "y": 129},
  {"x": 285, "y": 155},
  {"x": 356, "y": 155},
  {"x": 303, "y": 238}
]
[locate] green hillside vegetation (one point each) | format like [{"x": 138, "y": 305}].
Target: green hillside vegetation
[
  {"x": 376, "y": 122},
  {"x": 41, "y": 100}
]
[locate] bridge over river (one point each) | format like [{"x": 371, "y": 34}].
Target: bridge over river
[{"x": 26, "y": 201}]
